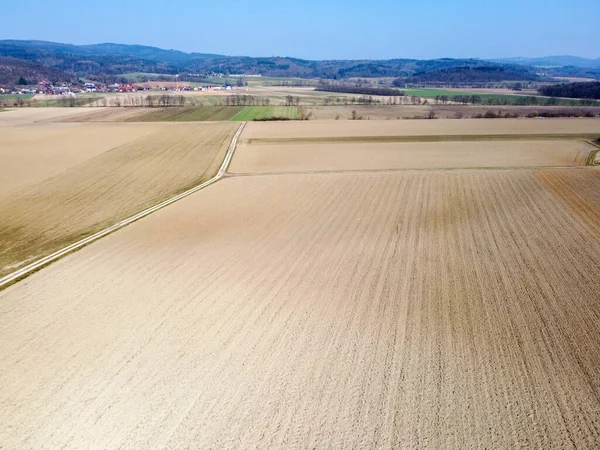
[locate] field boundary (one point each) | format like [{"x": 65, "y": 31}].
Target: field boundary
[
  {"x": 408, "y": 169},
  {"x": 35, "y": 266},
  {"x": 425, "y": 138}
]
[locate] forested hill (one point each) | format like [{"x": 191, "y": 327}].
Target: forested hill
[
  {"x": 474, "y": 74},
  {"x": 104, "y": 62},
  {"x": 553, "y": 61},
  {"x": 16, "y": 71}
]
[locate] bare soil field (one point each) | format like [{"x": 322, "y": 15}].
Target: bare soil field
[
  {"x": 106, "y": 114},
  {"x": 378, "y": 112},
  {"x": 273, "y": 158},
  {"x": 394, "y": 112},
  {"x": 297, "y": 130},
  {"x": 17, "y": 116},
  {"x": 424, "y": 309},
  {"x": 33, "y": 153},
  {"x": 186, "y": 114},
  {"x": 75, "y": 198}
]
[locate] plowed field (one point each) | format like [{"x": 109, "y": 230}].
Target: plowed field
[
  {"x": 273, "y": 157},
  {"x": 32, "y": 153},
  {"x": 294, "y": 130},
  {"x": 76, "y": 185},
  {"x": 421, "y": 309}
]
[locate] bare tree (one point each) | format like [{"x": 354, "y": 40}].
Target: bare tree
[{"x": 304, "y": 114}]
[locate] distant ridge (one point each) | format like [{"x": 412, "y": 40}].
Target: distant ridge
[{"x": 553, "y": 61}]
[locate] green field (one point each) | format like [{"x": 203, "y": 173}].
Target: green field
[
  {"x": 494, "y": 99},
  {"x": 265, "y": 112}
]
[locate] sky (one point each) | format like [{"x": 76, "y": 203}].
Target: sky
[{"x": 311, "y": 29}]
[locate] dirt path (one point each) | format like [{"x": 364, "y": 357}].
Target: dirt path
[{"x": 30, "y": 268}]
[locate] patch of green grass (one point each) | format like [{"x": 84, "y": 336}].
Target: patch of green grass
[
  {"x": 265, "y": 112},
  {"x": 187, "y": 114}
]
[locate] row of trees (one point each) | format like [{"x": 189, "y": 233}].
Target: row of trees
[
  {"x": 150, "y": 101},
  {"x": 587, "y": 90},
  {"x": 364, "y": 90},
  {"x": 246, "y": 100},
  {"x": 469, "y": 74},
  {"x": 500, "y": 100}
]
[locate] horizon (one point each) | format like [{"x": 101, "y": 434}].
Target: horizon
[{"x": 326, "y": 30}]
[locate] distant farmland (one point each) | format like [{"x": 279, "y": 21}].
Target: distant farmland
[
  {"x": 215, "y": 113},
  {"x": 266, "y": 112},
  {"x": 493, "y": 99},
  {"x": 187, "y": 114}
]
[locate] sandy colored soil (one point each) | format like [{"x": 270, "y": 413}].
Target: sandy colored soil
[
  {"x": 32, "y": 115},
  {"x": 351, "y": 128},
  {"x": 424, "y": 309},
  {"x": 187, "y": 114},
  {"x": 379, "y": 112},
  {"x": 33, "y": 153},
  {"x": 388, "y": 112},
  {"x": 259, "y": 158},
  {"x": 99, "y": 191},
  {"x": 106, "y": 114}
]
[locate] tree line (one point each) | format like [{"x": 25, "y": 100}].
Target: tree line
[
  {"x": 364, "y": 90},
  {"x": 587, "y": 90}
]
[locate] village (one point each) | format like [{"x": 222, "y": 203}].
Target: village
[{"x": 72, "y": 89}]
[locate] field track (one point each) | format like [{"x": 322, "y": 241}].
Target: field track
[
  {"x": 425, "y": 138},
  {"x": 12, "y": 277}
]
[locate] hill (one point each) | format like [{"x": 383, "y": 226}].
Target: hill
[
  {"x": 146, "y": 53},
  {"x": 12, "y": 70},
  {"x": 105, "y": 62},
  {"x": 553, "y": 61},
  {"x": 478, "y": 73}
]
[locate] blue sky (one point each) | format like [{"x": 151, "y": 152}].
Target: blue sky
[{"x": 320, "y": 29}]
